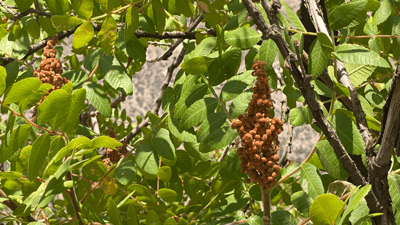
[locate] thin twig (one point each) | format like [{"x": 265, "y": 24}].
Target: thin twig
[
  {"x": 158, "y": 101},
  {"x": 72, "y": 195},
  {"x": 7, "y": 8},
  {"x": 32, "y": 123},
  {"x": 93, "y": 72},
  {"x": 12, "y": 205},
  {"x": 169, "y": 52}
]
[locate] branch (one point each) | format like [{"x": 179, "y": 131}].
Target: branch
[
  {"x": 158, "y": 102},
  {"x": 343, "y": 76},
  {"x": 267, "y": 206},
  {"x": 168, "y": 53},
  {"x": 29, "y": 11},
  {"x": 7, "y": 8},
  {"x": 63, "y": 34},
  {"x": 12, "y": 205},
  {"x": 273, "y": 31},
  {"x": 73, "y": 199}
]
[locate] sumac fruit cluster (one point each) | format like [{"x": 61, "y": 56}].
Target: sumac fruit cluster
[
  {"x": 50, "y": 70},
  {"x": 259, "y": 133}
]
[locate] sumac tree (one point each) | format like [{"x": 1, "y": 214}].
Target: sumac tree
[{"x": 74, "y": 161}]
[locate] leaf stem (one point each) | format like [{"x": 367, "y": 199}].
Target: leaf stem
[
  {"x": 221, "y": 104},
  {"x": 343, "y": 36},
  {"x": 32, "y": 123}
]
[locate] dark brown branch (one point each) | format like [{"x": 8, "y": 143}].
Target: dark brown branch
[
  {"x": 378, "y": 170},
  {"x": 29, "y": 11},
  {"x": 63, "y": 34},
  {"x": 157, "y": 104},
  {"x": 118, "y": 100},
  {"x": 73, "y": 199},
  {"x": 273, "y": 31},
  {"x": 13, "y": 206},
  {"x": 169, "y": 52}
]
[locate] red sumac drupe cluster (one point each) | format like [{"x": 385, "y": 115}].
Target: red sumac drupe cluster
[
  {"x": 259, "y": 133},
  {"x": 50, "y": 70}
]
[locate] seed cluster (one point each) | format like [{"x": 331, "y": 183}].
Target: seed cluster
[
  {"x": 50, "y": 70},
  {"x": 259, "y": 133},
  {"x": 113, "y": 156}
]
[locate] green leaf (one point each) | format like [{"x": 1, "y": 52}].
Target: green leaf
[
  {"x": 83, "y": 8},
  {"x": 20, "y": 90},
  {"x": 348, "y": 133},
  {"x": 244, "y": 37},
  {"x": 301, "y": 202},
  {"x": 310, "y": 180},
  {"x": 300, "y": 115},
  {"x": 203, "y": 49},
  {"x": 115, "y": 74},
  {"x": 135, "y": 49},
  {"x": 184, "y": 162},
  {"x": 132, "y": 217},
  {"x": 164, "y": 173},
  {"x": 170, "y": 221},
  {"x": 17, "y": 139},
  {"x": 268, "y": 52},
  {"x": 162, "y": 144},
  {"x": 232, "y": 204},
  {"x": 355, "y": 200},
  {"x": 330, "y": 161},
  {"x": 185, "y": 7},
  {"x": 32, "y": 27},
  {"x": 283, "y": 217},
  {"x": 167, "y": 195},
  {"x": 23, "y": 5},
  {"x": 374, "y": 97},
  {"x": 394, "y": 190},
  {"x": 211, "y": 123},
  {"x": 3, "y": 77},
  {"x": 55, "y": 103},
  {"x": 356, "y": 54},
  {"x": 293, "y": 93},
  {"x": 198, "y": 112},
  {"x": 98, "y": 98},
  {"x": 320, "y": 55},
  {"x": 240, "y": 103},
  {"x": 58, "y": 7},
  {"x": 146, "y": 159},
  {"x": 157, "y": 14},
  {"x": 113, "y": 213},
  {"x": 359, "y": 73},
  {"x": 218, "y": 139},
  {"x": 341, "y": 89},
  {"x": 383, "y": 12},
  {"x": 225, "y": 66},
  {"x": 105, "y": 141},
  {"x": 125, "y": 171},
  {"x": 235, "y": 85},
  {"x": 294, "y": 19},
  {"x": 92, "y": 59},
  {"x": 40, "y": 149},
  {"x": 77, "y": 104},
  {"x": 345, "y": 14},
  {"x": 326, "y": 209},
  {"x": 107, "y": 5},
  {"x": 197, "y": 65},
  {"x": 108, "y": 34},
  {"x": 189, "y": 95},
  {"x": 321, "y": 88},
  {"x": 83, "y": 35},
  {"x": 65, "y": 22},
  {"x": 152, "y": 218},
  {"x": 131, "y": 22}
]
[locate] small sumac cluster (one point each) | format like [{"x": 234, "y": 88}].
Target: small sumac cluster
[
  {"x": 113, "y": 156},
  {"x": 259, "y": 133},
  {"x": 50, "y": 70}
]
